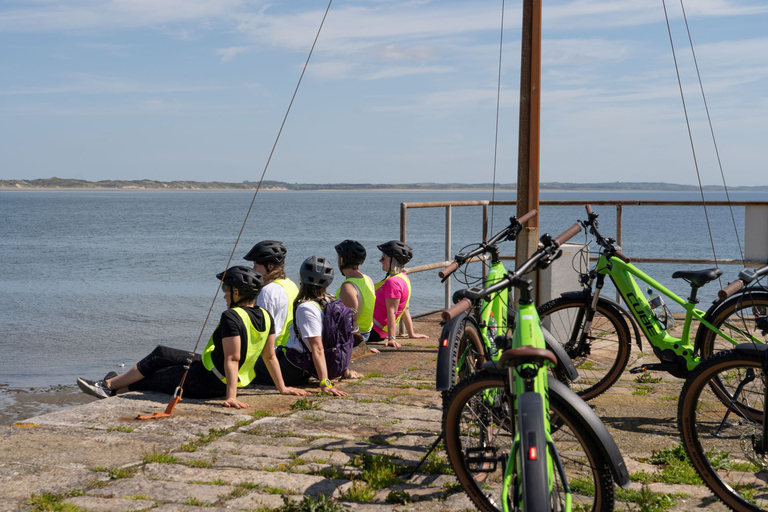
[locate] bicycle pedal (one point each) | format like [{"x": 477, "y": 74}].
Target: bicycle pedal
[
  {"x": 638, "y": 369},
  {"x": 489, "y": 463},
  {"x": 656, "y": 367}
]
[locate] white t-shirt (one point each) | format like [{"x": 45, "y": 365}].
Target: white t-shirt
[
  {"x": 309, "y": 319},
  {"x": 274, "y": 299}
]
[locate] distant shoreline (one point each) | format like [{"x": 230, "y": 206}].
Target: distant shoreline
[{"x": 277, "y": 186}]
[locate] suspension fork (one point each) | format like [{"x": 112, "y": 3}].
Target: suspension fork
[{"x": 584, "y": 318}]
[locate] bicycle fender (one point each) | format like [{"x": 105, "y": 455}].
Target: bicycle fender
[
  {"x": 449, "y": 337},
  {"x": 610, "y": 303},
  {"x": 597, "y": 430},
  {"x": 752, "y": 348},
  {"x": 562, "y": 356},
  {"x": 533, "y": 450}
]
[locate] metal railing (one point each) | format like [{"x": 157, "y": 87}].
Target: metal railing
[{"x": 449, "y": 205}]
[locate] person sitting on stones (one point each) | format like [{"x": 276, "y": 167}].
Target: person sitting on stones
[{"x": 244, "y": 333}]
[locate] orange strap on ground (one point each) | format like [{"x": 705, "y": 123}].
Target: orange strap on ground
[{"x": 168, "y": 410}]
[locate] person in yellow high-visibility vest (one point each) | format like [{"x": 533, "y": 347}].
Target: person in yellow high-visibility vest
[{"x": 227, "y": 363}]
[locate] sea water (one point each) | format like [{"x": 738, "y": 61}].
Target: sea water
[{"x": 90, "y": 280}]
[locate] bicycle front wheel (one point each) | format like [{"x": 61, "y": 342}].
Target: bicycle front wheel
[
  {"x": 737, "y": 317},
  {"x": 479, "y": 433},
  {"x": 602, "y": 354},
  {"x": 722, "y": 438},
  {"x": 468, "y": 353}
]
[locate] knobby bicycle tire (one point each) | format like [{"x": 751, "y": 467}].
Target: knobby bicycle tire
[
  {"x": 721, "y": 449},
  {"x": 604, "y": 355},
  {"x": 477, "y": 428}
]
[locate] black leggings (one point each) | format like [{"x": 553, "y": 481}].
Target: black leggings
[
  {"x": 164, "y": 368},
  {"x": 375, "y": 336}
]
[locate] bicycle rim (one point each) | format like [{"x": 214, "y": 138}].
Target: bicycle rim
[
  {"x": 479, "y": 433},
  {"x": 718, "y": 438},
  {"x": 736, "y": 317},
  {"x": 602, "y": 356}
]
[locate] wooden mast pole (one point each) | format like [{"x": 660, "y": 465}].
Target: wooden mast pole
[{"x": 529, "y": 138}]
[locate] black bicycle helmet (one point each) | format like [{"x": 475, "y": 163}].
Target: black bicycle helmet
[
  {"x": 352, "y": 252},
  {"x": 398, "y": 250},
  {"x": 245, "y": 279},
  {"x": 267, "y": 251},
  {"x": 316, "y": 271}
]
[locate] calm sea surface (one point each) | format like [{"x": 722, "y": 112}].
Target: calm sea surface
[{"x": 93, "y": 279}]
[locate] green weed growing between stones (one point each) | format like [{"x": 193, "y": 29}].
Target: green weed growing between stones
[
  {"x": 647, "y": 378},
  {"x": 116, "y": 428},
  {"x": 358, "y": 491},
  {"x": 322, "y": 503},
  {"x": 399, "y": 497},
  {"x": 159, "y": 457},
  {"x": 51, "y": 502},
  {"x": 304, "y": 404}
]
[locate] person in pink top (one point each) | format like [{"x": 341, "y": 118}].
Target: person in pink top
[{"x": 393, "y": 294}]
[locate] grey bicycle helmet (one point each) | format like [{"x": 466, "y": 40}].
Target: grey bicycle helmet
[
  {"x": 398, "y": 250},
  {"x": 245, "y": 279},
  {"x": 316, "y": 271},
  {"x": 352, "y": 252},
  {"x": 267, "y": 251}
]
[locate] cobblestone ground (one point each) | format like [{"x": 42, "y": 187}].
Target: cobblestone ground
[{"x": 97, "y": 457}]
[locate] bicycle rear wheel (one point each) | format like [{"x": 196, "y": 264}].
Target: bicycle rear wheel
[
  {"x": 602, "y": 355},
  {"x": 737, "y": 317},
  {"x": 720, "y": 437},
  {"x": 479, "y": 434}
]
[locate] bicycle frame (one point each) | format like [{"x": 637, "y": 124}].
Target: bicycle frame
[
  {"x": 525, "y": 458},
  {"x": 622, "y": 274}
]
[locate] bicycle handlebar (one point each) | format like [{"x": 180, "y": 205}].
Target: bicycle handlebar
[
  {"x": 452, "y": 312},
  {"x": 746, "y": 276},
  {"x": 550, "y": 249},
  {"x": 729, "y": 290},
  {"x": 450, "y": 269},
  {"x": 514, "y": 226},
  {"x": 528, "y": 216},
  {"x": 568, "y": 234}
]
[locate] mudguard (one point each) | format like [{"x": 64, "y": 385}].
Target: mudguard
[
  {"x": 449, "y": 337},
  {"x": 563, "y": 359},
  {"x": 752, "y": 348},
  {"x": 597, "y": 430},
  {"x": 612, "y": 304}
]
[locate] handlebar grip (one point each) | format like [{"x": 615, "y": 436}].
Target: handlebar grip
[
  {"x": 568, "y": 234},
  {"x": 623, "y": 257},
  {"x": 455, "y": 310},
  {"x": 528, "y": 216},
  {"x": 447, "y": 271},
  {"x": 589, "y": 209},
  {"x": 729, "y": 290}
]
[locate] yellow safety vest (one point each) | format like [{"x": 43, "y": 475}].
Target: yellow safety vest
[
  {"x": 368, "y": 299},
  {"x": 255, "y": 342},
  {"x": 281, "y": 338}
]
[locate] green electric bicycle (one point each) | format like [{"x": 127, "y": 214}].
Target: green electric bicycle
[
  {"x": 596, "y": 335},
  {"x": 482, "y": 333},
  {"x": 516, "y": 439}
]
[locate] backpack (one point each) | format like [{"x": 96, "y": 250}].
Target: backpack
[{"x": 338, "y": 323}]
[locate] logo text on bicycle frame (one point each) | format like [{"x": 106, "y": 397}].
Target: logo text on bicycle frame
[{"x": 641, "y": 314}]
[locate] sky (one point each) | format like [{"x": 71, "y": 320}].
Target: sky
[{"x": 397, "y": 91}]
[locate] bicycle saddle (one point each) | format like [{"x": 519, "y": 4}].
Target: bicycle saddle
[
  {"x": 698, "y": 277},
  {"x": 526, "y": 354}
]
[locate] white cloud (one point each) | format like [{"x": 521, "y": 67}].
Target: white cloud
[
  {"x": 101, "y": 84},
  {"x": 229, "y": 54}
]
